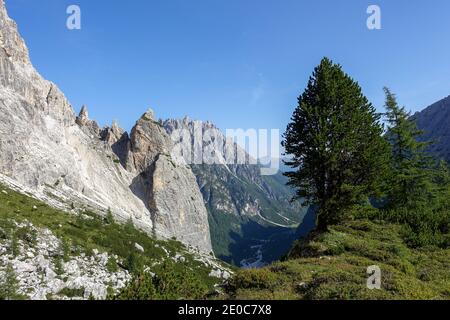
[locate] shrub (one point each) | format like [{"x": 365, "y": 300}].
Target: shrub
[
  {"x": 111, "y": 265},
  {"x": 253, "y": 278},
  {"x": 423, "y": 226},
  {"x": 9, "y": 285},
  {"x": 27, "y": 234},
  {"x": 59, "y": 268},
  {"x": 134, "y": 263},
  {"x": 109, "y": 218},
  {"x": 140, "y": 288},
  {"x": 13, "y": 247},
  {"x": 169, "y": 283},
  {"x": 72, "y": 293}
]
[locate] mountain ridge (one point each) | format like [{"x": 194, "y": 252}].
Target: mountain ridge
[
  {"x": 46, "y": 148},
  {"x": 435, "y": 122},
  {"x": 246, "y": 208}
]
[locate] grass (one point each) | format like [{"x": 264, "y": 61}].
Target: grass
[
  {"x": 334, "y": 265},
  {"x": 78, "y": 234}
]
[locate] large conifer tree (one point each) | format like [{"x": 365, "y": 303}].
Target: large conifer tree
[
  {"x": 412, "y": 168},
  {"x": 335, "y": 143}
]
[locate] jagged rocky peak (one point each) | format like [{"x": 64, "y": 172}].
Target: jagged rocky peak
[
  {"x": 84, "y": 122},
  {"x": 11, "y": 43},
  {"x": 116, "y": 130},
  {"x": 148, "y": 140},
  {"x": 63, "y": 159},
  {"x": 209, "y": 145},
  {"x": 149, "y": 115},
  {"x": 83, "y": 117},
  {"x": 114, "y": 134}
]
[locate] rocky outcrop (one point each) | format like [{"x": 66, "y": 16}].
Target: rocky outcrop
[
  {"x": 167, "y": 187},
  {"x": 49, "y": 150},
  {"x": 42, "y": 273}
]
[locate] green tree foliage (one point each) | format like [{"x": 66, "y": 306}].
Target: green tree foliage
[
  {"x": 9, "y": 285},
  {"x": 335, "y": 140},
  {"x": 170, "y": 282},
  {"x": 411, "y": 167},
  {"x": 417, "y": 190},
  {"x": 109, "y": 218}
]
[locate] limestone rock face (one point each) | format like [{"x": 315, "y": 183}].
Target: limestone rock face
[
  {"x": 175, "y": 200},
  {"x": 168, "y": 188},
  {"x": 45, "y": 148},
  {"x": 148, "y": 140}
]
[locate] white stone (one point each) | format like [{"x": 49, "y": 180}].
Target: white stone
[
  {"x": 24, "y": 267},
  {"x": 139, "y": 247}
]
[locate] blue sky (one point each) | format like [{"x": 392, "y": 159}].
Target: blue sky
[{"x": 238, "y": 63}]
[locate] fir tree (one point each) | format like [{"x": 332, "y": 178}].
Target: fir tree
[
  {"x": 336, "y": 145},
  {"x": 411, "y": 176}
]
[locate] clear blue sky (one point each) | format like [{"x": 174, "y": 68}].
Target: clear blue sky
[{"x": 238, "y": 63}]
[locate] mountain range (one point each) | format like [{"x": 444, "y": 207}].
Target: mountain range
[
  {"x": 251, "y": 215},
  {"x": 68, "y": 162}
]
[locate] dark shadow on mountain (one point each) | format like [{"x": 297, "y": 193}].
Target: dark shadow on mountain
[
  {"x": 308, "y": 224},
  {"x": 273, "y": 241},
  {"x": 142, "y": 186},
  {"x": 120, "y": 148}
]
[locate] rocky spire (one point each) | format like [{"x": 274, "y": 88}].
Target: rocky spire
[
  {"x": 83, "y": 117},
  {"x": 116, "y": 129},
  {"x": 149, "y": 114}
]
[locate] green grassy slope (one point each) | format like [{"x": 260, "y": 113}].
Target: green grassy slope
[
  {"x": 334, "y": 265},
  {"x": 86, "y": 232}
]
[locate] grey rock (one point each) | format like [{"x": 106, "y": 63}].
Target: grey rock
[
  {"x": 139, "y": 247},
  {"x": 61, "y": 158},
  {"x": 24, "y": 267},
  {"x": 49, "y": 273}
]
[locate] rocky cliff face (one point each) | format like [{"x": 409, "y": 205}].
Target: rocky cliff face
[
  {"x": 435, "y": 122},
  {"x": 245, "y": 208},
  {"x": 44, "y": 147}
]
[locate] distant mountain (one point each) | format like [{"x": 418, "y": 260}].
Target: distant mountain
[
  {"x": 435, "y": 122},
  {"x": 249, "y": 214}
]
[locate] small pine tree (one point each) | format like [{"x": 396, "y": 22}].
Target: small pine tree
[
  {"x": 129, "y": 226},
  {"x": 14, "y": 247},
  {"x": 140, "y": 288},
  {"x": 9, "y": 285},
  {"x": 109, "y": 218},
  {"x": 335, "y": 140}
]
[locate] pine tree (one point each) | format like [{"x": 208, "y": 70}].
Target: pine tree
[
  {"x": 9, "y": 285},
  {"x": 418, "y": 188},
  {"x": 335, "y": 143},
  {"x": 412, "y": 168}
]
